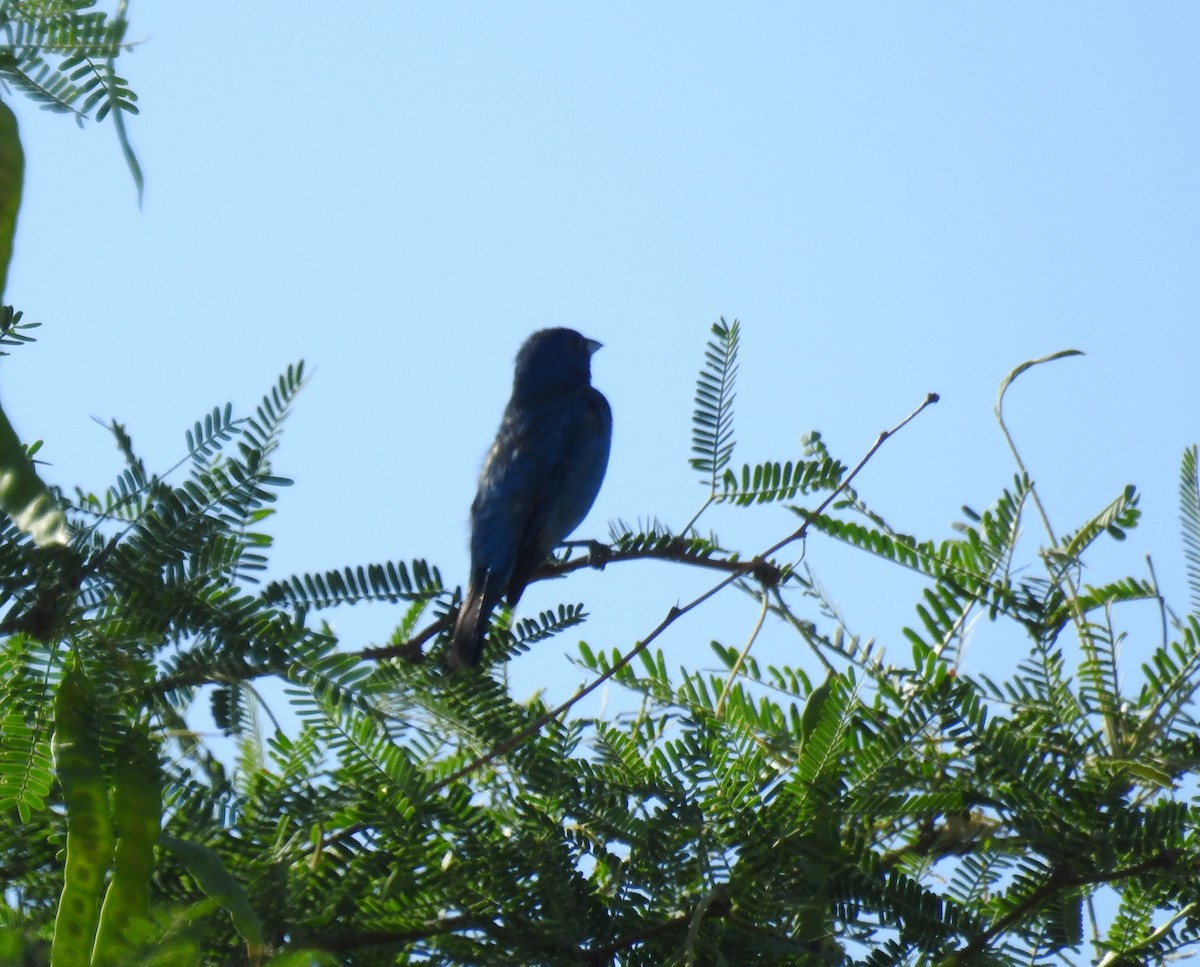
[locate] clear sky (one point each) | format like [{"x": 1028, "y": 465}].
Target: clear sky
[{"x": 892, "y": 198}]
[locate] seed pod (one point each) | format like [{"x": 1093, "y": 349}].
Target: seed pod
[
  {"x": 137, "y": 812},
  {"x": 77, "y": 758}
]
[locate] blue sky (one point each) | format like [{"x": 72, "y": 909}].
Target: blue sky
[{"x": 892, "y": 198}]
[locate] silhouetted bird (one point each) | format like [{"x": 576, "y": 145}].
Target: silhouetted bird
[{"x": 539, "y": 479}]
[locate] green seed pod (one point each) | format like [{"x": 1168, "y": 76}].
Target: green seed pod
[
  {"x": 77, "y": 758},
  {"x": 23, "y": 495},
  {"x": 137, "y": 812}
]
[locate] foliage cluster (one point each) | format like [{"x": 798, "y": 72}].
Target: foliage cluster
[
  {"x": 859, "y": 806},
  {"x": 884, "y": 812}
]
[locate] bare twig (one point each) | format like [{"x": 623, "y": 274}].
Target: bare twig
[{"x": 741, "y": 658}]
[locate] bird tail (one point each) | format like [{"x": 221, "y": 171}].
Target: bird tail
[{"x": 466, "y": 646}]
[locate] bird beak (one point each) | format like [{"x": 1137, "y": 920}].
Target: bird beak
[{"x": 593, "y": 345}]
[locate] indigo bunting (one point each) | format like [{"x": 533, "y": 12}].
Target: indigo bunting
[{"x": 539, "y": 479}]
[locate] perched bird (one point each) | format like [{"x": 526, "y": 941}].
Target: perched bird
[{"x": 539, "y": 479}]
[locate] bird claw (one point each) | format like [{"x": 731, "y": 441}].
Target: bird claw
[{"x": 598, "y": 554}]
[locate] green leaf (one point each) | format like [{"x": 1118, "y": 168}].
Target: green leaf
[
  {"x": 712, "y": 420},
  {"x": 1189, "y": 514},
  {"x": 210, "y": 874},
  {"x": 814, "y": 707}
]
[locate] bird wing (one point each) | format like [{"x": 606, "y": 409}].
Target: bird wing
[{"x": 568, "y": 478}]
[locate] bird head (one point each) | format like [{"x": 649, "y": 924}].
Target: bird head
[{"x": 552, "y": 361}]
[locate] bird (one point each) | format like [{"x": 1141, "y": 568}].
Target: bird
[{"x": 539, "y": 479}]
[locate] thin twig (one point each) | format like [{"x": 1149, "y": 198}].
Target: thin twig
[
  {"x": 784, "y": 612},
  {"x": 1112, "y": 726},
  {"x": 601, "y": 556},
  {"x": 719, "y": 895},
  {"x": 741, "y": 658},
  {"x": 712, "y": 497}
]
